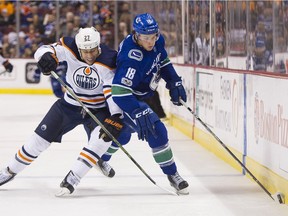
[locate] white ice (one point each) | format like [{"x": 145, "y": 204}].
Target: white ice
[{"x": 215, "y": 188}]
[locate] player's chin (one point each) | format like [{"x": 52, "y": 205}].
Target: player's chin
[
  {"x": 89, "y": 62},
  {"x": 149, "y": 48}
]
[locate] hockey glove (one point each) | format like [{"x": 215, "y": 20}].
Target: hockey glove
[
  {"x": 176, "y": 91},
  {"x": 8, "y": 66},
  {"x": 48, "y": 63},
  {"x": 114, "y": 125},
  {"x": 145, "y": 120}
]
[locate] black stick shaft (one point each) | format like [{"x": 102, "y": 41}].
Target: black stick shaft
[{"x": 227, "y": 149}]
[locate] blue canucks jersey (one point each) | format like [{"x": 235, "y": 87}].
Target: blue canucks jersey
[{"x": 139, "y": 71}]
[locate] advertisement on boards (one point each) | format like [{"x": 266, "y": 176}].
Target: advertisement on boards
[
  {"x": 267, "y": 122},
  {"x": 220, "y": 104}
]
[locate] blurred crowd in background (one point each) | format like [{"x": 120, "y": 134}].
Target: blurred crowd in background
[
  {"x": 44, "y": 22},
  {"x": 209, "y": 33}
]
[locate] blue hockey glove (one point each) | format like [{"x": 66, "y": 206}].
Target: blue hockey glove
[
  {"x": 145, "y": 120},
  {"x": 176, "y": 91},
  {"x": 48, "y": 63}
]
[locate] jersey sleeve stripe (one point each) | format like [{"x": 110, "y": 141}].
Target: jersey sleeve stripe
[
  {"x": 95, "y": 100},
  {"x": 64, "y": 45},
  {"x": 103, "y": 65},
  {"x": 120, "y": 90},
  {"x": 89, "y": 101},
  {"x": 165, "y": 62},
  {"x": 107, "y": 91}
]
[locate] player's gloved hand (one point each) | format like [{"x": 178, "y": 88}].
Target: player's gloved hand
[
  {"x": 48, "y": 63},
  {"x": 114, "y": 125},
  {"x": 176, "y": 91},
  {"x": 8, "y": 66},
  {"x": 145, "y": 120}
]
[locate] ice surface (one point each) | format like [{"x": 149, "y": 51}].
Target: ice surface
[{"x": 215, "y": 188}]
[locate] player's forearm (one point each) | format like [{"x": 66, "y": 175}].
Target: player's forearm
[
  {"x": 127, "y": 103},
  {"x": 169, "y": 74}
]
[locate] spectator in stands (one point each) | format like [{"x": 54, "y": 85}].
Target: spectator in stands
[
  {"x": 6, "y": 20},
  {"x": 259, "y": 59},
  {"x": 23, "y": 45},
  {"x": 106, "y": 14},
  {"x": 97, "y": 19},
  {"x": 25, "y": 15},
  {"x": 27, "y": 53},
  {"x": 77, "y": 23},
  {"x": 69, "y": 30},
  {"x": 36, "y": 17},
  {"x": 34, "y": 47},
  {"x": 125, "y": 15},
  {"x": 123, "y": 31},
  {"x": 12, "y": 52},
  {"x": 202, "y": 48},
  {"x": 9, "y": 43},
  {"x": 220, "y": 41},
  {"x": 4, "y": 45},
  {"x": 106, "y": 35},
  {"x": 67, "y": 25},
  {"x": 49, "y": 26},
  {"x": 32, "y": 33},
  {"x": 7, "y": 6},
  {"x": 83, "y": 13}
]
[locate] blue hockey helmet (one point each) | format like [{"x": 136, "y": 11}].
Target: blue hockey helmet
[{"x": 145, "y": 24}]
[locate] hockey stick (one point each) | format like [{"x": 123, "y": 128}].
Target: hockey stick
[
  {"x": 106, "y": 131},
  {"x": 227, "y": 149}
]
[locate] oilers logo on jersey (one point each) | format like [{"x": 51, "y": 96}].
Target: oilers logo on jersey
[{"x": 86, "y": 78}]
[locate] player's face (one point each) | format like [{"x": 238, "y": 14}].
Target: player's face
[
  {"x": 89, "y": 55},
  {"x": 147, "y": 41}
]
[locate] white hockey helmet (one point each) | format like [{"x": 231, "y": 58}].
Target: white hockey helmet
[{"x": 88, "y": 38}]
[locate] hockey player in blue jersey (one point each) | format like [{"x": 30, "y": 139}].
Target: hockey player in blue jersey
[
  {"x": 141, "y": 62},
  {"x": 91, "y": 68}
]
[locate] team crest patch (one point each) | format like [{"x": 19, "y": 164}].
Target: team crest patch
[
  {"x": 86, "y": 78},
  {"x": 135, "y": 54}
]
